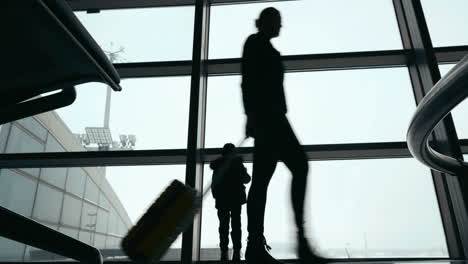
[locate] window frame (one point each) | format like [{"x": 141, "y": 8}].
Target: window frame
[{"x": 199, "y": 68}]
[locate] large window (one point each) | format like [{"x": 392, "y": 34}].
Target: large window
[
  {"x": 326, "y": 107},
  {"x": 354, "y": 209},
  {"x": 152, "y": 110},
  {"x": 155, "y": 110},
  {"x": 150, "y": 34}
]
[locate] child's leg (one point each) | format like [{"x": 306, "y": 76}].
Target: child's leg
[
  {"x": 236, "y": 232},
  {"x": 223, "y": 216}
]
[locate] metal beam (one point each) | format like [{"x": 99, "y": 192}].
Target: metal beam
[
  {"x": 94, "y": 5},
  {"x": 331, "y": 61},
  {"x": 97, "y": 5},
  {"x": 93, "y": 158},
  {"x": 451, "y": 54},
  {"x": 310, "y": 62},
  {"x": 332, "y": 152},
  {"x": 154, "y": 69},
  {"x": 178, "y": 156}
]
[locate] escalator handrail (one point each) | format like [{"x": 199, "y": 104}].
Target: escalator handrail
[
  {"x": 446, "y": 94},
  {"x": 27, "y": 231}
]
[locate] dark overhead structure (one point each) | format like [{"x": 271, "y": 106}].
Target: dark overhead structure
[{"x": 48, "y": 53}]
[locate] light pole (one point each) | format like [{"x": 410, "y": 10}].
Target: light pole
[{"x": 113, "y": 57}]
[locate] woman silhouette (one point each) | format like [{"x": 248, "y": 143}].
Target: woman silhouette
[{"x": 265, "y": 107}]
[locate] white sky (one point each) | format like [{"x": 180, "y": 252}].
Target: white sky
[{"x": 378, "y": 205}]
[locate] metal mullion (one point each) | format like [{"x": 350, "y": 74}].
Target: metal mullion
[
  {"x": 464, "y": 145},
  {"x": 367, "y": 59},
  {"x": 93, "y": 159},
  {"x": 332, "y": 151},
  {"x": 331, "y": 61},
  {"x": 424, "y": 73},
  {"x": 93, "y": 5},
  {"x": 178, "y": 156},
  {"x": 451, "y": 54},
  {"x": 196, "y": 126},
  {"x": 154, "y": 69}
]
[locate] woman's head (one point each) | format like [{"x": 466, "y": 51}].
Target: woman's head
[{"x": 269, "y": 22}]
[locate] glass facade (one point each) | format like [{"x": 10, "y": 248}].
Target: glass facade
[
  {"x": 350, "y": 97},
  {"x": 66, "y": 199},
  {"x": 100, "y": 218},
  {"x": 341, "y": 218}
]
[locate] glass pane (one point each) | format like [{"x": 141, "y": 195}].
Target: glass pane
[
  {"x": 149, "y": 34},
  {"x": 20, "y": 141},
  {"x": 99, "y": 241},
  {"x": 17, "y": 191},
  {"x": 92, "y": 191},
  {"x": 34, "y": 127},
  {"x": 69, "y": 231},
  {"x": 382, "y": 208},
  {"x": 88, "y": 217},
  {"x": 76, "y": 181},
  {"x": 446, "y": 19},
  {"x": 324, "y": 107},
  {"x": 86, "y": 237},
  {"x": 83, "y": 219},
  {"x": 113, "y": 217},
  {"x": 164, "y": 102},
  {"x": 52, "y": 145},
  {"x": 308, "y": 27},
  {"x": 71, "y": 211},
  {"x": 48, "y": 204},
  {"x": 103, "y": 201},
  {"x": 392, "y": 198},
  {"x": 101, "y": 224},
  {"x": 225, "y": 119},
  {"x": 151, "y": 182},
  {"x": 11, "y": 250},
  {"x": 54, "y": 176}
]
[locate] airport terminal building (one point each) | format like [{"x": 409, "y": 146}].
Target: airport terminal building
[{"x": 79, "y": 202}]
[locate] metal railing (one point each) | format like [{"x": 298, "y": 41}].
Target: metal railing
[
  {"x": 22, "y": 229},
  {"x": 438, "y": 102}
]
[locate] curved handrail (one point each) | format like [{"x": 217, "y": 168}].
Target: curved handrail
[
  {"x": 25, "y": 230},
  {"x": 438, "y": 102}
]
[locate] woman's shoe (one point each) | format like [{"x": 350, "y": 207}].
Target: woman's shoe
[
  {"x": 236, "y": 258},
  {"x": 257, "y": 252},
  {"x": 305, "y": 253}
]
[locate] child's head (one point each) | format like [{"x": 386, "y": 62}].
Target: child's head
[{"x": 228, "y": 148}]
